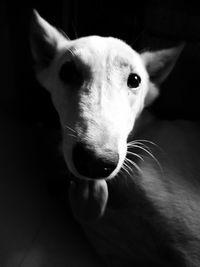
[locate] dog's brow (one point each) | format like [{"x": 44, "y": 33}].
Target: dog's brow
[{"x": 121, "y": 62}]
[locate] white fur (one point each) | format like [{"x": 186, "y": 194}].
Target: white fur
[
  {"x": 104, "y": 110},
  {"x": 155, "y": 212}
]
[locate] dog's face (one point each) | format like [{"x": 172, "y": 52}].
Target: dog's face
[{"x": 99, "y": 86}]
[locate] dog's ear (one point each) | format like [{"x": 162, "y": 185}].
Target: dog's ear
[
  {"x": 159, "y": 64},
  {"x": 45, "y": 40}
]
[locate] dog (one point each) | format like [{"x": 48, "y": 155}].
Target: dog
[{"x": 135, "y": 185}]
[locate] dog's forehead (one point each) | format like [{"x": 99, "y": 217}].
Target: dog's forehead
[{"x": 95, "y": 49}]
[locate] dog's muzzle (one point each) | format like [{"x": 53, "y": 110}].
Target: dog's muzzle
[{"x": 90, "y": 164}]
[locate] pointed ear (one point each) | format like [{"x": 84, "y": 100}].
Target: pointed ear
[
  {"x": 45, "y": 40},
  {"x": 159, "y": 64}
]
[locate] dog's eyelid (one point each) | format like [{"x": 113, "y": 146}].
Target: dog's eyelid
[{"x": 69, "y": 73}]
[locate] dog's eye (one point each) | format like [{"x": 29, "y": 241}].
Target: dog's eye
[
  {"x": 133, "y": 80},
  {"x": 70, "y": 74}
]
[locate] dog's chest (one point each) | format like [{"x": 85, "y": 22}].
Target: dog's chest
[
  {"x": 138, "y": 228},
  {"x": 132, "y": 235}
]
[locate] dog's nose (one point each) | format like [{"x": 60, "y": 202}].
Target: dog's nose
[{"x": 90, "y": 165}]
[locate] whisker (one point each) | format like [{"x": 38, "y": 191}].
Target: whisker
[
  {"x": 149, "y": 153},
  {"x": 128, "y": 167},
  {"x": 134, "y": 165},
  {"x": 150, "y": 142},
  {"x": 66, "y": 126},
  {"x": 139, "y": 143},
  {"x": 63, "y": 33},
  {"x": 69, "y": 50},
  {"x": 146, "y": 150},
  {"x": 143, "y": 140},
  {"x": 135, "y": 154},
  {"x": 147, "y": 141},
  {"x": 124, "y": 168}
]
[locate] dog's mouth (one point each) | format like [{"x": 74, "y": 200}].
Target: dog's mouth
[
  {"x": 90, "y": 176},
  {"x": 88, "y": 199}
]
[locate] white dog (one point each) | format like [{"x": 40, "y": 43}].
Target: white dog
[{"x": 136, "y": 181}]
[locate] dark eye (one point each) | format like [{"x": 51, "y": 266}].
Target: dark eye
[
  {"x": 70, "y": 74},
  {"x": 133, "y": 80}
]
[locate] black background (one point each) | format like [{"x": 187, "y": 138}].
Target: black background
[{"x": 33, "y": 138}]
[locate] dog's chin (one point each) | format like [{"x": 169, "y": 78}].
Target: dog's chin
[{"x": 88, "y": 198}]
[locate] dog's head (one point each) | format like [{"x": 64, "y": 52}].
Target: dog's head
[{"x": 99, "y": 86}]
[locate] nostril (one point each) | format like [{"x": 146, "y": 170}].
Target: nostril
[{"x": 90, "y": 165}]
